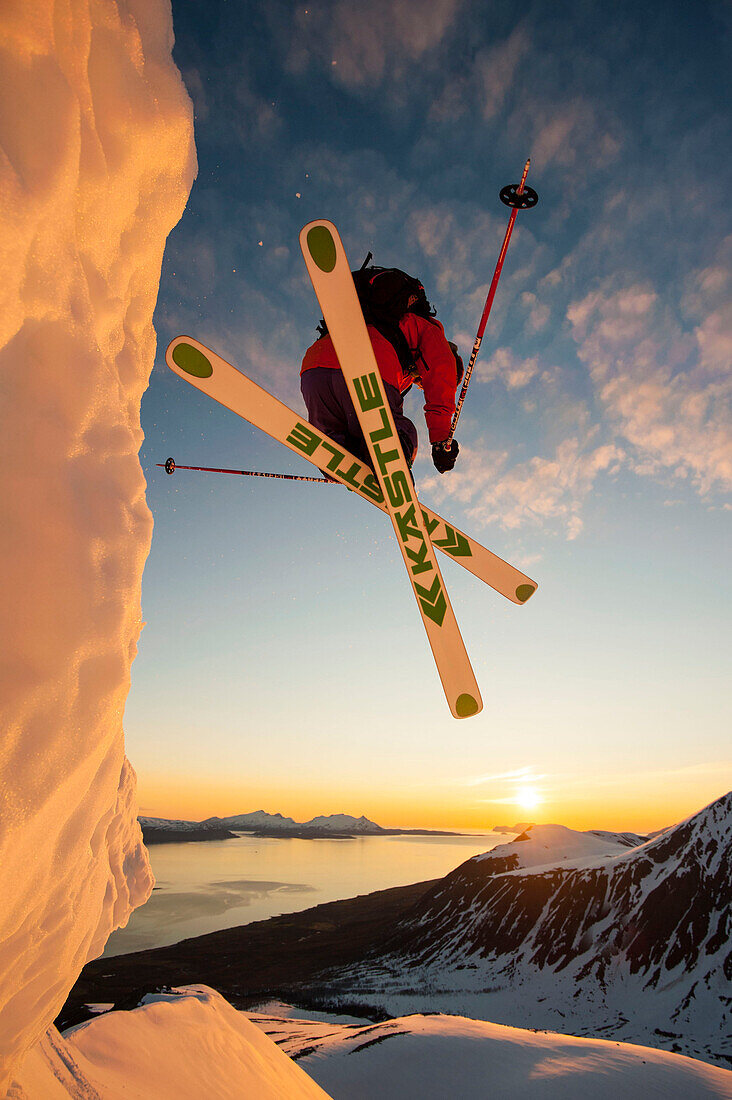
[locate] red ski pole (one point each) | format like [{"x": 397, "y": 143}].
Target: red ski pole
[
  {"x": 519, "y": 197},
  {"x": 170, "y": 467}
]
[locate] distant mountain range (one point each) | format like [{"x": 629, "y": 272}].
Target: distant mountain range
[
  {"x": 259, "y": 819},
  {"x": 261, "y": 823},
  {"x": 609, "y": 934}
]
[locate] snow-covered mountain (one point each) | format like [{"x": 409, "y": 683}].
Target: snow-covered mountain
[
  {"x": 579, "y": 933},
  {"x": 555, "y": 845},
  {"x": 175, "y": 825},
  {"x": 343, "y": 823},
  {"x": 258, "y": 819},
  {"x": 162, "y": 830}
]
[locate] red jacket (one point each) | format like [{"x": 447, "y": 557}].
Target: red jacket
[{"x": 435, "y": 364}]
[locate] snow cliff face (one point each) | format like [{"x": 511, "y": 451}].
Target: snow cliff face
[
  {"x": 98, "y": 160},
  {"x": 552, "y": 932}
]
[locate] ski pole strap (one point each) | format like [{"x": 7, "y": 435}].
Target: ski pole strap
[
  {"x": 170, "y": 466},
  {"x": 519, "y": 197}
]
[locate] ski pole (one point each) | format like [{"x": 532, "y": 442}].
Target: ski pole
[
  {"x": 519, "y": 197},
  {"x": 170, "y": 467}
]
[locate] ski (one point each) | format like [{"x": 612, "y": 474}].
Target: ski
[
  {"x": 330, "y": 274},
  {"x": 208, "y": 372}
]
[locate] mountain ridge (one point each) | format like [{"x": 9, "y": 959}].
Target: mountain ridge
[
  {"x": 261, "y": 823},
  {"x": 261, "y": 819},
  {"x": 633, "y": 944}
]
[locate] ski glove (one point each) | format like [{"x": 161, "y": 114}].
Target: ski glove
[{"x": 444, "y": 460}]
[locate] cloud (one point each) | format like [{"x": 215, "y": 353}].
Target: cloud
[
  {"x": 362, "y": 45},
  {"x": 709, "y": 299},
  {"x": 517, "y": 774},
  {"x": 570, "y": 785},
  {"x": 462, "y": 242},
  {"x": 485, "y": 86},
  {"x": 455, "y": 241},
  {"x": 625, "y": 778},
  {"x": 510, "y": 786},
  {"x": 665, "y": 391},
  {"x": 537, "y": 492},
  {"x": 496, "y": 69},
  {"x": 513, "y": 371},
  {"x": 539, "y": 312},
  {"x": 571, "y": 133}
]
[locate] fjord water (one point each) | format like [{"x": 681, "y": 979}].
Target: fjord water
[{"x": 208, "y": 885}]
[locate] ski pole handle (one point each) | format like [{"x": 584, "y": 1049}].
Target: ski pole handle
[{"x": 519, "y": 197}]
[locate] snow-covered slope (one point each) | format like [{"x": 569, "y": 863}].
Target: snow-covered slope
[
  {"x": 435, "y": 1057},
  {"x": 634, "y": 944},
  {"x": 625, "y": 840},
  {"x": 184, "y": 1045},
  {"x": 97, "y": 162}
]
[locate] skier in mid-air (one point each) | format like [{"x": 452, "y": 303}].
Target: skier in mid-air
[{"x": 410, "y": 347}]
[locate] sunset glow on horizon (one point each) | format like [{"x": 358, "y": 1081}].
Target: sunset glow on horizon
[{"x": 623, "y": 808}]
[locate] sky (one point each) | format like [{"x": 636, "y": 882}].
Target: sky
[{"x": 283, "y": 665}]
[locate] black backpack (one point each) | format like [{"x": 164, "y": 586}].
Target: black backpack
[{"x": 386, "y": 294}]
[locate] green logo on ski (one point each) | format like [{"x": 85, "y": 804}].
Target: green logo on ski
[
  {"x": 466, "y": 705},
  {"x": 307, "y": 440},
  {"x": 322, "y": 247},
  {"x": 455, "y": 544},
  {"x": 432, "y": 601},
  {"x": 192, "y": 361}
]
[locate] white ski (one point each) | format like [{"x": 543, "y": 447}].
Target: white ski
[
  {"x": 332, "y": 281},
  {"x": 208, "y": 372}
]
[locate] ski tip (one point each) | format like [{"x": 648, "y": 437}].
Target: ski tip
[
  {"x": 318, "y": 242},
  {"x": 466, "y": 706},
  {"x": 189, "y": 359},
  {"x": 525, "y": 592}
]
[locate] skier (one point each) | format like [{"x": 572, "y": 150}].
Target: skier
[{"x": 410, "y": 347}]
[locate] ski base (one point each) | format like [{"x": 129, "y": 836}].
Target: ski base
[{"x": 330, "y": 274}]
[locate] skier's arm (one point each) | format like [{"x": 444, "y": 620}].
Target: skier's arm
[{"x": 438, "y": 372}]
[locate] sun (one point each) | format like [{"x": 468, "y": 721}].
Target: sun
[{"x": 528, "y": 798}]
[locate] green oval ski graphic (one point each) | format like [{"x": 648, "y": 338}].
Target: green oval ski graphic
[
  {"x": 524, "y": 591},
  {"x": 322, "y": 247},
  {"x": 192, "y": 361},
  {"x": 466, "y": 705}
]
